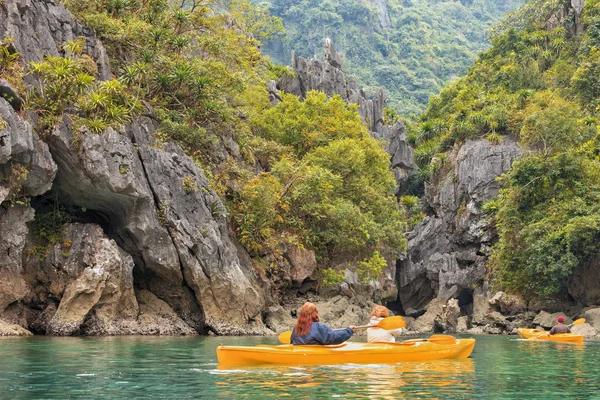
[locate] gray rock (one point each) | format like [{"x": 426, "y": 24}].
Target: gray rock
[
  {"x": 8, "y": 329},
  {"x": 13, "y": 231},
  {"x": 462, "y": 325},
  {"x": 446, "y": 254},
  {"x": 584, "y": 283},
  {"x": 425, "y": 323},
  {"x": 230, "y": 292},
  {"x": 303, "y": 263},
  {"x": 547, "y": 320},
  {"x": 10, "y": 94},
  {"x": 587, "y": 330},
  {"x": 41, "y": 27},
  {"x": 90, "y": 274},
  {"x": 341, "y": 311},
  {"x": 331, "y": 55},
  {"x": 592, "y": 317},
  {"x": 18, "y": 144},
  {"x": 508, "y": 303},
  {"x": 476, "y": 330},
  {"x": 278, "y": 319}
]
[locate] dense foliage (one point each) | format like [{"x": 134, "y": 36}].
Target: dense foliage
[
  {"x": 539, "y": 84},
  {"x": 411, "y": 48},
  {"x": 305, "y": 174},
  {"x": 328, "y": 186}
]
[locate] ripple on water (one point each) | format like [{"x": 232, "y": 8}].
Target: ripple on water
[{"x": 114, "y": 368}]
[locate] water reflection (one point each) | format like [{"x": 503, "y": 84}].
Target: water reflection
[
  {"x": 442, "y": 378},
  {"x": 186, "y": 368}
]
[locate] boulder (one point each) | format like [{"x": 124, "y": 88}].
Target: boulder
[
  {"x": 8, "y": 329},
  {"x": 425, "y": 323},
  {"x": 341, "y": 311},
  {"x": 507, "y": 303},
  {"x": 587, "y": 330},
  {"x": 547, "y": 320},
  {"x": 476, "y": 330},
  {"x": 462, "y": 324},
  {"x": 278, "y": 319},
  {"x": 481, "y": 305},
  {"x": 303, "y": 262},
  {"x": 92, "y": 277},
  {"x": 592, "y": 317}
]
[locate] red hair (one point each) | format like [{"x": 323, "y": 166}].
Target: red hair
[
  {"x": 380, "y": 311},
  {"x": 308, "y": 315}
]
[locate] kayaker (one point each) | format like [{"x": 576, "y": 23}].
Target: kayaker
[
  {"x": 560, "y": 327},
  {"x": 309, "y": 330},
  {"x": 378, "y": 334}
]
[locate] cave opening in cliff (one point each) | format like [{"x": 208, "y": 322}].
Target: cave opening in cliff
[
  {"x": 465, "y": 301},
  {"x": 51, "y": 214}
]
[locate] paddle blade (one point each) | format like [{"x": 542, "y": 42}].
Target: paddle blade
[
  {"x": 442, "y": 339},
  {"x": 390, "y": 323},
  {"x": 285, "y": 337},
  {"x": 579, "y": 321}
]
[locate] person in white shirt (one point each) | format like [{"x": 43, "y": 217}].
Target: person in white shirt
[{"x": 377, "y": 334}]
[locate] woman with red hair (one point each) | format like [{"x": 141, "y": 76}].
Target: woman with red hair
[{"x": 309, "y": 330}]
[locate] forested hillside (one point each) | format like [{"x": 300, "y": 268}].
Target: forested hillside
[
  {"x": 539, "y": 83},
  {"x": 410, "y": 48}
]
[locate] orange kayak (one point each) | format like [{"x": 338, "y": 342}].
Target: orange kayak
[
  {"x": 356, "y": 353},
  {"x": 537, "y": 334}
]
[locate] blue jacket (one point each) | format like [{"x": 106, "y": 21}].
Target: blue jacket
[{"x": 322, "y": 334}]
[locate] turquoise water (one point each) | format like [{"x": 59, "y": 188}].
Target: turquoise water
[{"x": 185, "y": 368}]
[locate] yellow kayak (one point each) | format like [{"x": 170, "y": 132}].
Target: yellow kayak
[
  {"x": 357, "y": 353},
  {"x": 537, "y": 334},
  {"x": 527, "y": 333}
]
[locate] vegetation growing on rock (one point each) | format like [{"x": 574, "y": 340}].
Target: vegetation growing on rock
[
  {"x": 538, "y": 84},
  {"x": 303, "y": 172}
]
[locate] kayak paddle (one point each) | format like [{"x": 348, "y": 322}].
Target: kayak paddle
[
  {"x": 388, "y": 323},
  {"x": 577, "y": 322},
  {"x": 439, "y": 339}
]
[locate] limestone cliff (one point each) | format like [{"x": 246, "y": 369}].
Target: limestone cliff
[
  {"x": 146, "y": 256},
  {"x": 446, "y": 255}
]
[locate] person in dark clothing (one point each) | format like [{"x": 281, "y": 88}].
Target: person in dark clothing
[
  {"x": 309, "y": 330},
  {"x": 560, "y": 327}
]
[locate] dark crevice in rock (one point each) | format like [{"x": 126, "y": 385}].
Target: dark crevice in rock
[{"x": 197, "y": 322}]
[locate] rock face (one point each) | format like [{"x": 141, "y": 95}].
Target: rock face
[
  {"x": 447, "y": 251},
  {"x": 151, "y": 255},
  {"x": 584, "y": 283},
  {"x": 13, "y": 231},
  {"x": 26, "y": 166},
  {"x": 328, "y": 76},
  {"x": 92, "y": 277},
  {"x": 38, "y": 26}
]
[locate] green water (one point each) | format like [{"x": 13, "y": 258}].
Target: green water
[{"x": 181, "y": 368}]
